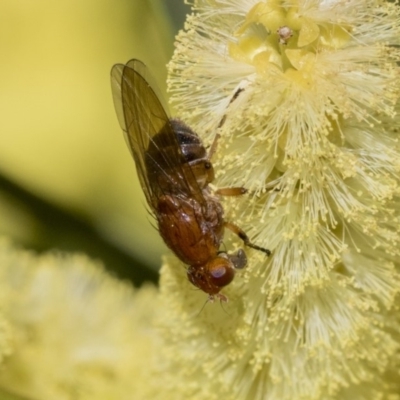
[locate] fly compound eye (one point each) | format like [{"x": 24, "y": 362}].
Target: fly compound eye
[{"x": 221, "y": 271}]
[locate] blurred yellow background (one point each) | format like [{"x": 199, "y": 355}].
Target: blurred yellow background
[{"x": 59, "y": 135}]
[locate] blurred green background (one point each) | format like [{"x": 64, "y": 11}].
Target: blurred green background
[{"x": 67, "y": 180}]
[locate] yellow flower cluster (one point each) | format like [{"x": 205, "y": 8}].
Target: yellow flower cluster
[
  {"x": 313, "y": 135},
  {"x": 73, "y": 332}
]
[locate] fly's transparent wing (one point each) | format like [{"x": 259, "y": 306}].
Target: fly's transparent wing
[{"x": 149, "y": 134}]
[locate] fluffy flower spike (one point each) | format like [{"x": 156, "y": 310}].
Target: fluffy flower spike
[{"x": 312, "y": 132}]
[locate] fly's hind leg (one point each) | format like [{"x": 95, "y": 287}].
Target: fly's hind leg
[
  {"x": 235, "y": 229},
  {"x": 238, "y": 191}
]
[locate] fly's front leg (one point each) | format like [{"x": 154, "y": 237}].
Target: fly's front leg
[
  {"x": 235, "y": 229},
  {"x": 213, "y": 147},
  {"x": 241, "y": 87}
]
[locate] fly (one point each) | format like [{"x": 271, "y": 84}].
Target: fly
[{"x": 175, "y": 171}]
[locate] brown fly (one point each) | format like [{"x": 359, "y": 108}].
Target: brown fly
[{"x": 175, "y": 170}]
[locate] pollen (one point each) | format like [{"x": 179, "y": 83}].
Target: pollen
[{"x": 313, "y": 137}]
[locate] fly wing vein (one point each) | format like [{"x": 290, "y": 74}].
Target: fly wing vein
[{"x": 142, "y": 116}]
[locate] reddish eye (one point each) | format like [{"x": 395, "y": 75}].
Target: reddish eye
[
  {"x": 221, "y": 271},
  {"x": 218, "y": 272}
]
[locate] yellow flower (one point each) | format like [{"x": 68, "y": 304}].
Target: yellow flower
[
  {"x": 6, "y": 343},
  {"x": 76, "y": 332},
  {"x": 313, "y": 135}
]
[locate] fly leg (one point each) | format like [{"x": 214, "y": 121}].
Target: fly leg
[
  {"x": 236, "y": 94},
  {"x": 213, "y": 147},
  {"x": 238, "y": 191},
  {"x": 235, "y": 229},
  {"x": 233, "y": 98},
  {"x": 230, "y": 191}
]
